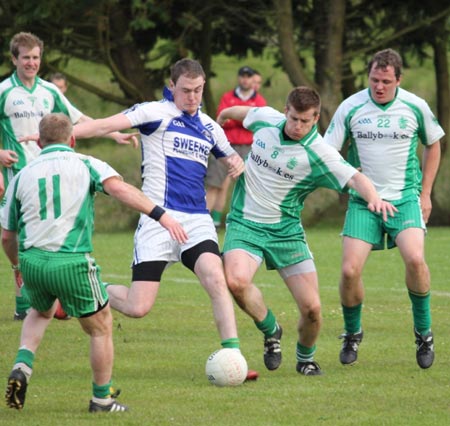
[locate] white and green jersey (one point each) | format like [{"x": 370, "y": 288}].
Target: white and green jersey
[
  {"x": 280, "y": 173},
  {"x": 384, "y": 139},
  {"x": 21, "y": 110},
  {"x": 50, "y": 202}
]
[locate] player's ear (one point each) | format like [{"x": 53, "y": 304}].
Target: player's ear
[
  {"x": 72, "y": 141},
  {"x": 39, "y": 143}
]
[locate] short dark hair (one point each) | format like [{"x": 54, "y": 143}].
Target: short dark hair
[
  {"x": 55, "y": 128},
  {"x": 303, "y": 98},
  {"x": 58, "y": 76},
  {"x": 187, "y": 67},
  {"x": 28, "y": 40},
  {"x": 385, "y": 58}
]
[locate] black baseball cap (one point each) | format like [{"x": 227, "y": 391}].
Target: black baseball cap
[{"x": 246, "y": 71}]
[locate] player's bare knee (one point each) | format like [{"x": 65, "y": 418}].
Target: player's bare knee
[
  {"x": 416, "y": 264},
  {"x": 97, "y": 326},
  {"x": 137, "y": 311},
  {"x": 236, "y": 284},
  {"x": 350, "y": 273},
  {"x": 314, "y": 313}
]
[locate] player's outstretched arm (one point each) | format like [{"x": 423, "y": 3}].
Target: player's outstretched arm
[
  {"x": 118, "y": 120},
  {"x": 362, "y": 184},
  {"x": 88, "y": 128},
  {"x": 237, "y": 112},
  {"x": 137, "y": 200}
]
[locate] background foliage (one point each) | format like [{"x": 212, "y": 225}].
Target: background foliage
[{"x": 120, "y": 52}]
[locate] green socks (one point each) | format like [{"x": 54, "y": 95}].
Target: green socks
[
  {"x": 421, "y": 312},
  {"x": 216, "y": 217},
  {"x": 22, "y": 304},
  {"x": 352, "y": 318},
  {"x": 232, "y": 343},
  {"x": 268, "y": 325},
  {"x": 25, "y": 356},
  {"x": 24, "y": 361},
  {"x": 420, "y": 309},
  {"x": 305, "y": 354},
  {"x": 102, "y": 391}
]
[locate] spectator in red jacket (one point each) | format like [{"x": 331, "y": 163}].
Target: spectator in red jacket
[{"x": 217, "y": 181}]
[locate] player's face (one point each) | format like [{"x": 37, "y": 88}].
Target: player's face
[
  {"x": 299, "y": 124},
  {"x": 27, "y": 64},
  {"x": 245, "y": 82},
  {"x": 187, "y": 93},
  {"x": 257, "y": 82},
  {"x": 60, "y": 83},
  {"x": 383, "y": 84}
]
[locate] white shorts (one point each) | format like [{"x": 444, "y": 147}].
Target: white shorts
[{"x": 152, "y": 242}]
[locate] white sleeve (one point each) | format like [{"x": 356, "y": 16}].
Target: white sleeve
[{"x": 337, "y": 133}]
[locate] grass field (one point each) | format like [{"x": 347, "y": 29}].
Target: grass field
[{"x": 160, "y": 359}]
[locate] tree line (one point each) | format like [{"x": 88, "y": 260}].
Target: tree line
[{"x": 139, "y": 39}]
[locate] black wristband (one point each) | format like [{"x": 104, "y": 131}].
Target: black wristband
[{"x": 156, "y": 213}]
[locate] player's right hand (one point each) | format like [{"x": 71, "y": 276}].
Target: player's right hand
[
  {"x": 382, "y": 207},
  {"x": 18, "y": 278},
  {"x": 235, "y": 165}
]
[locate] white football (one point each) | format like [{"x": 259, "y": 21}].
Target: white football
[{"x": 226, "y": 367}]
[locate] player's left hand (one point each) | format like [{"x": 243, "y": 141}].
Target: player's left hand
[
  {"x": 425, "y": 203},
  {"x": 126, "y": 138},
  {"x": 382, "y": 207}
]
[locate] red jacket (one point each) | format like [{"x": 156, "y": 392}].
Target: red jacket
[{"x": 234, "y": 130}]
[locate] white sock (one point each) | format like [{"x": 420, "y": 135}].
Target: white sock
[
  {"x": 102, "y": 401},
  {"x": 25, "y": 369}
]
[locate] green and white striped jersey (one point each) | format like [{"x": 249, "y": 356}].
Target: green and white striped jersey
[
  {"x": 384, "y": 139},
  {"x": 50, "y": 202},
  {"x": 280, "y": 173},
  {"x": 21, "y": 110}
]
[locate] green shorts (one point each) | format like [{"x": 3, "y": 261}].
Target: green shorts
[
  {"x": 73, "y": 278},
  {"x": 364, "y": 225},
  {"x": 280, "y": 244}
]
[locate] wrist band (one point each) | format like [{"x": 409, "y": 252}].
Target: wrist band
[
  {"x": 156, "y": 213},
  {"x": 15, "y": 267}
]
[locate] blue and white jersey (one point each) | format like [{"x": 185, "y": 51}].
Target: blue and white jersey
[{"x": 175, "y": 150}]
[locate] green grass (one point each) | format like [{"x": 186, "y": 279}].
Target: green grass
[{"x": 160, "y": 359}]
